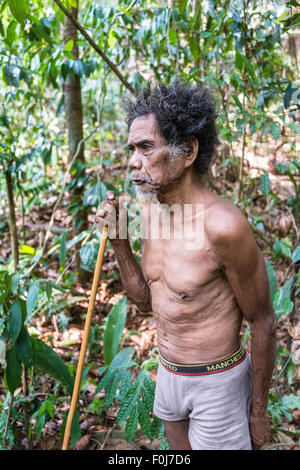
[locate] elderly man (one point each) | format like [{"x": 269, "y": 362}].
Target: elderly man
[{"x": 210, "y": 393}]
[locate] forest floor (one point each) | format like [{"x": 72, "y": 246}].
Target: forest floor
[{"x": 140, "y": 330}]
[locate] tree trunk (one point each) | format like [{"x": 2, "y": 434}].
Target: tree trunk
[
  {"x": 72, "y": 94},
  {"x": 74, "y": 119},
  {"x": 12, "y": 218}
]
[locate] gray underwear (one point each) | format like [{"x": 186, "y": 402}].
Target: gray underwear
[{"x": 217, "y": 405}]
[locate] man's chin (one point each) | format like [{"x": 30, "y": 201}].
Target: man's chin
[{"x": 146, "y": 194}]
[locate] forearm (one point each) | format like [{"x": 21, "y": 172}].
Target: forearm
[
  {"x": 263, "y": 354},
  {"x": 131, "y": 275}
]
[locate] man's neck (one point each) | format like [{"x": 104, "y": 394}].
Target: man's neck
[{"x": 186, "y": 190}]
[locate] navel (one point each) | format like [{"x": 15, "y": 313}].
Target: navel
[{"x": 183, "y": 295}]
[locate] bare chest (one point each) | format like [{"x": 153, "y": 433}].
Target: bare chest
[{"x": 184, "y": 272}]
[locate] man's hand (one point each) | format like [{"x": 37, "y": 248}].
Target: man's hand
[
  {"x": 108, "y": 214},
  {"x": 260, "y": 431}
]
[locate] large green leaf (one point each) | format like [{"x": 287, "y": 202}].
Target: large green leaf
[
  {"x": 282, "y": 302},
  {"x": 128, "y": 403},
  {"x": 13, "y": 370},
  {"x": 132, "y": 424},
  {"x": 15, "y": 321},
  {"x": 46, "y": 360},
  {"x": 19, "y": 9},
  {"x": 144, "y": 418},
  {"x": 15, "y": 283},
  {"x": 33, "y": 293},
  {"x": 125, "y": 385},
  {"x": 173, "y": 36},
  {"x": 123, "y": 359},
  {"x": 239, "y": 60},
  {"x": 265, "y": 183},
  {"x": 272, "y": 279},
  {"x": 276, "y": 130},
  {"x": 88, "y": 255},
  {"x": 296, "y": 255},
  {"x": 181, "y": 5},
  {"x": 194, "y": 47},
  {"x": 111, "y": 390},
  {"x": 113, "y": 329},
  {"x": 249, "y": 67},
  {"x": 24, "y": 348}
]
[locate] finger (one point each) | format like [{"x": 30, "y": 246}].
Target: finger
[
  {"x": 112, "y": 198},
  {"x": 110, "y": 195},
  {"x": 109, "y": 207},
  {"x": 101, "y": 213}
]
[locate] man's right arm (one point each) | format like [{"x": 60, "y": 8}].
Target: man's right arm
[{"x": 131, "y": 273}]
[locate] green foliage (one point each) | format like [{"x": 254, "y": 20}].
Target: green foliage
[
  {"x": 113, "y": 330},
  {"x": 272, "y": 280},
  {"x": 164, "y": 445},
  {"x": 137, "y": 406},
  {"x": 13, "y": 370},
  {"x": 47, "y": 361},
  {"x": 282, "y": 405},
  {"x": 282, "y": 302},
  {"x": 32, "y": 297},
  {"x": 136, "y": 399},
  {"x": 19, "y": 9},
  {"x": 296, "y": 255},
  {"x": 265, "y": 183},
  {"x": 43, "y": 413},
  {"x": 292, "y": 170},
  {"x": 22, "y": 348},
  {"x": 75, "y": 430}
]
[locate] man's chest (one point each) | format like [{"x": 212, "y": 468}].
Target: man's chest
[{"x": 181, "y": 270}]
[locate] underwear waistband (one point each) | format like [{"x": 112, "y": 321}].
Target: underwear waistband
[{"x": 204, "y": 369}]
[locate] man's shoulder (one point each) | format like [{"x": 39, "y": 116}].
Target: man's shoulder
[{"x": 224, "y": 222}]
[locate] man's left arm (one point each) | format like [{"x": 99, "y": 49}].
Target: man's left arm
[{"x": 245, "y": 270}]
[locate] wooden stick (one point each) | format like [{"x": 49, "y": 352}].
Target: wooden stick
[{"x": 86, "y": 333}]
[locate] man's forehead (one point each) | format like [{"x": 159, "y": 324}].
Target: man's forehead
[{"x": 145, "y": 126}]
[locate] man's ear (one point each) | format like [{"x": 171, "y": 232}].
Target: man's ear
[{"x": 192, "y": 147}]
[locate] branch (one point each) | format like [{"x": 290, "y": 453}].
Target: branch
[{"x": 94, "y": 45}]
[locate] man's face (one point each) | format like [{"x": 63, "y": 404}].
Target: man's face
[{"x": 153, "y": 169}]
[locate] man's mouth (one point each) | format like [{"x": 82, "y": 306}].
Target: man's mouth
[
  {"x": 140, "y": 181},
  {"x": 145, "y": 181}
]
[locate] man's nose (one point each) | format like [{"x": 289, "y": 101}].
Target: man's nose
[{"x": 135, "y": 162}]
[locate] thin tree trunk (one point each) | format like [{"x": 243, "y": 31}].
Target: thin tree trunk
[
  {"x": 72, "y": 94},
  {"x": 74, "y": 118},
  {"x": 12, "y": 218}
]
